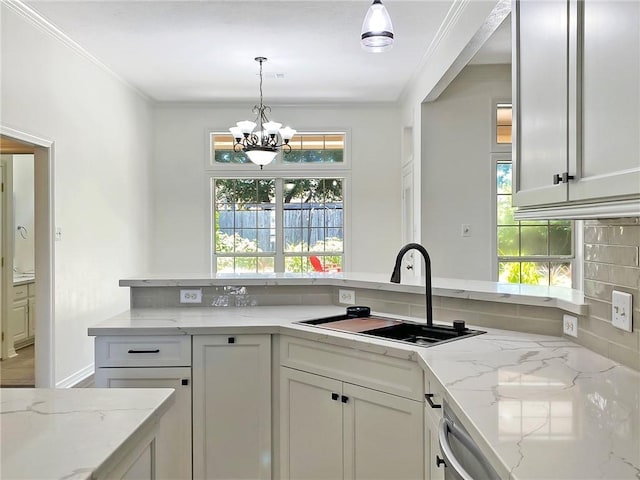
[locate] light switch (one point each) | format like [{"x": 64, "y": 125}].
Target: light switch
[{"x": 621, "y": 310}]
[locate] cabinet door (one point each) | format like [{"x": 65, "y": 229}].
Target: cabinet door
[
  {"x": 310, "y": 426},
  {"x": 173, "y": 442},
  {"x": 383, "y": 435},
  {"x": 19, "y": 320},
  {"x": 610, "y": 164},
  {"x": 540, "y": 83},
  {"x": 435, "y": 471},
  {"x": 232, "y": 406}
]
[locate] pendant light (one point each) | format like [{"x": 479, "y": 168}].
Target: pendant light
[
  {"x": 377, "y": 30},
  {"x": 262, "y": 146}
]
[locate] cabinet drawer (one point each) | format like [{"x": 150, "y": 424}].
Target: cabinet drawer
[
  {"x": 143, "y": 351},
  {"x": 371, "y": 370},
  {"x": 20, "y": 292}
]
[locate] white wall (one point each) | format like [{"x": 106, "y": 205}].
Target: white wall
[
  {"x": 24, "y": 215},
  {"x": 457, "y": 172},
  {"x": 102, "y": 133},
  {"x": 181, "y": 210}
]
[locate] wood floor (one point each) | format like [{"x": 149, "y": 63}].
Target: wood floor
[{"x": 19, "y": 371}]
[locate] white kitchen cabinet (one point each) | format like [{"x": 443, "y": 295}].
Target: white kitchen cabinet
[
  {"x": 232, "y": 406},
  {"x": 576, "y": 108},
  {"x": 540, "y": 100},
  {"x": 435, "y": 396},
  {"x": 311, "y": 426},
  {"x": 347, "y": 413},
  {"x": 22, "y": 314},
  {"x": 154, "y": 362},
  {"x": 332, "y": 429},
  {"x": 175, "y": 428},
  {"x": 610, "y": 160}
]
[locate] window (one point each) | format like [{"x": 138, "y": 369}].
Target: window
[
  {"x": 306, "y": 148},
  {"x": 278, "y": 220},
  {"x": 266, "y": 225},
  {"x": 531, "y": 252}
]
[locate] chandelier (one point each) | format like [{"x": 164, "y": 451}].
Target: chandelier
[
  {"x": 377, "y": 30},
  {"x": 261, "y": 146}
]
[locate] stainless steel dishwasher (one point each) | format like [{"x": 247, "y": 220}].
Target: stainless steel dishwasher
[{"x": 463, "y": 459}]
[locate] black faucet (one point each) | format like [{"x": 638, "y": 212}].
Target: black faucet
[{"x": 395, "y": 276}]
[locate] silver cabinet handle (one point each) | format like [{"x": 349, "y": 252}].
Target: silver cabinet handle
[{"x": 448, "y": 427}]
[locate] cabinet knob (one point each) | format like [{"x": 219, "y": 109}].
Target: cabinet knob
[
  {"x": 556, "y": 179},
  {"x": 429, "y": 396},
  {"x": 344, "y": 399},
  {"x": 184, "y": 381},
  {"x": 440, "y": 461},
  {"x": 335, "y": 396},
  {"x": 231, "y": 340}
]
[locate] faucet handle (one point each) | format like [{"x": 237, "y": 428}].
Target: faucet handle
[
  {"x": 409, "y": 266},
  {"x": 459, "y": 326}
]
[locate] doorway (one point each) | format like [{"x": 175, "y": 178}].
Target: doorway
[
  {"x": 19, "y": 146},
  {"x": 18, "y": 240}
]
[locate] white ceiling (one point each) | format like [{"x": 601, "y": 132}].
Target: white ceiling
[{"x": 204, "y": 50}]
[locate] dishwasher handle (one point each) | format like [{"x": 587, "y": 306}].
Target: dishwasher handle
[{"x": 448, "y": 427}]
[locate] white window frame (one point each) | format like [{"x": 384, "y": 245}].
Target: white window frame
[
  {"x": 281, "y": 170},
  {"x": 503, "y": 153},
  {"x": 277, "y": 164}
]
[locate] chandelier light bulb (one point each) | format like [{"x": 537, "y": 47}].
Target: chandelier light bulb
[
  {"x": 287, "y": 133},
  {"x": 377, "y": 30}
]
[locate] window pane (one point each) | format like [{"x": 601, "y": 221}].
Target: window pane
[
  {"x": 508, "y": 241},
  {"x": 222, "y": 150},
  {"x": 509, "y": 272},
  {"x": 316, "y": 148},
  {"x": 503, "y": 123},
  {"x": 560, "y": 274},
  {"x": 534, "y": 240},
  {"x": 315, "y": 205},
  {"x": 504, "y": 182},
  {"x": 559, "y": 240},
  {"x": 224, "y": 264},
  {"x": 505, "y": 211}
]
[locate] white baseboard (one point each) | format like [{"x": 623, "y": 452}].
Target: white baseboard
[{"x": 81, "y": 379}]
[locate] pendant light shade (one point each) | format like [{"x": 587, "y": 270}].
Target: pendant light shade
[
  {"x": 261, "y": 156},
  {"x": 377, "y": 30}
]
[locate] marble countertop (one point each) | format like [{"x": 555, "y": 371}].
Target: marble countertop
[
  {"x": 72, "y": 433},
  {"x": 565, "y": 298},
  {"x": 23, "y": 278},
  {"x": 538, "y": 406}
]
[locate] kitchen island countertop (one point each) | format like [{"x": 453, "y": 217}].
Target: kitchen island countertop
[
  {"x": 74, "y": 433},
  {"x": 539, "y": 406}
]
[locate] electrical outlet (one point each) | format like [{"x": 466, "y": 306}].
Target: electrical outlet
[
  {"x": 465, "y": 230},
  {"x": 570, "y": 325},
  {"x": 191, "y": 296},
  {"x": 621, "y": 313},
  {"x": 347, "y": 297}
]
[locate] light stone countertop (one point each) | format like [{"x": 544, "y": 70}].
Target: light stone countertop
[
  {"x": 538, "y": 406},
  {"x": 73, "y": 433},
  {"x": 23, "y": 278},
  {"x": 565, "y": 298}
]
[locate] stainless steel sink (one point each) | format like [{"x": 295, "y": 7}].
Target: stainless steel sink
[{"x": 359, "y": 320}]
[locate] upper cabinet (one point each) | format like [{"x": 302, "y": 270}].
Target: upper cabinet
[{"x": 576, "y": 81}]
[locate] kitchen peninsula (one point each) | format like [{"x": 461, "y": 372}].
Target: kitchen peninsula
[{"x": 538, "y": 405}]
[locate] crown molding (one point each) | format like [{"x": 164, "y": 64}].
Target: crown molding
[{"x": 40, "y": 22}]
